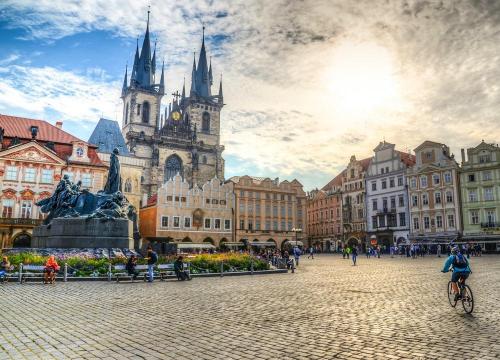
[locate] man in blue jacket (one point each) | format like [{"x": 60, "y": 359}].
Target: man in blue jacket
[{"x": 458, "y": 262}]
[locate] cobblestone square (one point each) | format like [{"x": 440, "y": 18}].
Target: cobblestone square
[{"x": 381, "y": 309}]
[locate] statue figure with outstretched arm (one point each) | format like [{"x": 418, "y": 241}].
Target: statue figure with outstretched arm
[{"x": 114, "y": 182}]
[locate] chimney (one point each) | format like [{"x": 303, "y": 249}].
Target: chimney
[
  {"x": 462, "y": 151},
  {"x": 59, "y": 124}
]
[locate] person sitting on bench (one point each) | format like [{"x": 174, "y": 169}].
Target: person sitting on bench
[
  {"x": 130, "y": 267},
  {"x": 179, "y": 270},
  {"x": 4, "y": 266},
  {"x": 51, "y": 269}
]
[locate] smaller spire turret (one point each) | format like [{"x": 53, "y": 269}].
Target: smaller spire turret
[
  {"x": 210, "y": 77},
  {"x": 153, "y": 61},
  {"x": 136, "y": 64},
  {"x": 162, "y": 79},
  {"x": 125, "y": 85},
  {"x": 193, "y": 76},
  {"x": 183, "y": 96},
  {"x": 220, "y": 97}
]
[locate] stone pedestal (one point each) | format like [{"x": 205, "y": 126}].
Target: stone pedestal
[{"x": 84, "y": 233}]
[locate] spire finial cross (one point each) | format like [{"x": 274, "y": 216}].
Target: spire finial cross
[{"x": 176, "y": 95}]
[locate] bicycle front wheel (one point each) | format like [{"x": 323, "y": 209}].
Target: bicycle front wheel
[
  {"x": 467, "y": 299},
  {"x": 451, "y": 294}
]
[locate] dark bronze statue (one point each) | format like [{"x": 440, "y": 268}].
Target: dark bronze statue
[{"x": 114, "y": 182}]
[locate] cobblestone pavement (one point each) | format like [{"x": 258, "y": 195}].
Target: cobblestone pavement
[{"x": 381, "y": 309}]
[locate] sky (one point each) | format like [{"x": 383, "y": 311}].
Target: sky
[{"x": 306, "y": 83}]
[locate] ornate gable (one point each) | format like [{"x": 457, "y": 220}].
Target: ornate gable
[{"x": 31, "y": 152}]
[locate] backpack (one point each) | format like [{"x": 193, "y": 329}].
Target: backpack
[{"x": 459, "y": 261}]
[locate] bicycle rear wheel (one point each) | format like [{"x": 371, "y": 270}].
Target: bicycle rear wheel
[
  {"x": 451, "y": 294},
  {"x": 467, "y": 299}
]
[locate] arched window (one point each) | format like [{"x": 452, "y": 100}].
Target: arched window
[
  {"x": 126, "y": 114},
  {"x": 145, "y": 112},
  {"x": 204, "y": 160},
  {"x": 205, "y": 122},
  {"x": 173, "y": 165},
  {"x": 128, "y": 186}
]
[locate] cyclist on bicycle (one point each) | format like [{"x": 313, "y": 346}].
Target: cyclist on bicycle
[{"x": 460, "y": 266}]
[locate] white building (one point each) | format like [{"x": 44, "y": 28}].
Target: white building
[{"x": 386, "y": 196}]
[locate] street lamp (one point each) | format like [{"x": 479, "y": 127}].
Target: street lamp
[{"x": 296, "y": 230}]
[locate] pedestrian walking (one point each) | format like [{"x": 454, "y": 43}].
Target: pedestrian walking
[
  {"x": 152, "y": 259},
  {"x": 311, "y": 253},
  {"x": 296, "y": 254},
  {"x": 354, "y": 254},
  {"x": 439, "y": 250}
]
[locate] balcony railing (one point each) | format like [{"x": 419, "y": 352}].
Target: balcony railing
[
  {"x": 20, "y": 221},
  {"x": 386, "y": 211},
  {"x": 490, "y": 224}
]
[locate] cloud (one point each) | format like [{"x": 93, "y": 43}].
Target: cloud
[{"x": 298, "y": 75}]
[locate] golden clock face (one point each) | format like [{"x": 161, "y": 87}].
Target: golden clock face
[{"x": 176, "y": 116}]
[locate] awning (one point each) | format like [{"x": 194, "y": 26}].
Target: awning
[
  {"x": 195, "y": 246},
  {"x": 232, "y": 244},
  {"x": 293, "y": 242},
  {"x": 262, "y": 244}
]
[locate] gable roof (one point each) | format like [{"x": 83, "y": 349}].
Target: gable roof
[
  {"x": 336, "y": 181},
  {"x": 406, "y": 158},
  {"x": 107, "y": 136},
  {"x": 21, "y": 127}
]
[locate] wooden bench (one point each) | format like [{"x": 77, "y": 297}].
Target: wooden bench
[
  {"x": 167, "y": 270},
  {"x": 32, "y": 271},
  {"x": 122, "y": 273}
]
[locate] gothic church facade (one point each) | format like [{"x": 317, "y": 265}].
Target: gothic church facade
[{"x": 183, "y": 140}]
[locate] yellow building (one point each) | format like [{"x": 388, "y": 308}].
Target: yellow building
[{"x": 266, "y": 211}]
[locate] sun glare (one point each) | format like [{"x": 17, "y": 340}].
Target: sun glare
[{"x": 362, "y": 78}]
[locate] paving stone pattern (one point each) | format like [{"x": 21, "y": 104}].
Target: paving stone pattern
[{"x": 381, "y": 309}]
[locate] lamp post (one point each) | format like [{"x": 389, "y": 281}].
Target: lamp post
[{"x": 296, "y": 230}]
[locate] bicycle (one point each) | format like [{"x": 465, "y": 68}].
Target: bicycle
[{"x": 465, "y": 295}]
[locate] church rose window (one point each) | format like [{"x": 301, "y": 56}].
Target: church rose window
[
  {"x": 145, "y": 112},
  {"x": 173, "y": 165}
]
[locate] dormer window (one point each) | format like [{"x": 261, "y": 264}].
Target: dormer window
[{"x": 79, "y": 152}]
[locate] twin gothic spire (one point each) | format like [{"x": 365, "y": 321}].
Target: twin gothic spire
[{"x": 144, "y": 69}]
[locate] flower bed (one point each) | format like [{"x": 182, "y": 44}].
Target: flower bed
[{"x": 82, "y": 265}]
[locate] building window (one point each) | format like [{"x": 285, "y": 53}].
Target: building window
[
  {"x": 187, "y": 222},
  {"x": 268, "y": 225},
  {"x": 282, "y": 225},
  {"x": 173, "y": 166},
  {"x": 205, "y": 122},
  {"x": 275, "y": 225},
  {"x": 250, "y": 208},
  {"x": 382, "y": 170},
  {"x": 393, "y": 202},
  {"x": 268, "y": 210},
  {"x": 414, "y": 200},
  {"x": 138, "y": 109},
  {"x": 490, "y": 216},
  {"x": 488, "y": 194},
  {"x": 87, "y": 181},
  {"x": 447, "y": 177},
  {"x": 29, "y": 174},
  {"x": 227, "y": 224},
  {"x": 425, "y": 199},
  {"x": 401, "y": 201},
  {"x": 283, "y": 211},
  {"x": 449, "y": 197},
  {"x": 486, "y": 175},
  {"x": 26, "y": 209},
  {"x": 439, "y": 221},
  {"x": 391, "y": 182},
  {"x": 400, "y": 181},
  {"x": 472, "y": 195},
  {"x": 242, "y": 208},
  {"x": 426, "y": 222},
  {"x": 437, "y": 197},
  {"x": 402, "y": 219},
  {"x": 384, "y": 204},
  {"x": 384, "y": 183},
  {"x": 11, "y": 173},
  {"x": 374, "y": 185},
  {"x": 289, "y": 210},
  {"x": 47, "y": 176},
  {"x": 435, "y": 179},
  {"x": 257, "y": 209},
  {"x": 423, "y": 181},
  {"x": 145, "y": 112},
  {"x": 474, "y": 217},
  {"x": 217, "y": 224},
  {"x": 471, "y": 177},
  {"x": 257, "y": 224},
  {"x": 289, "y": 225},
  {"x": 413, "y": 183},
  {"x": 275, "y": 210},
  {"x": 7, "y": 208},
  {"x": 451, "y": 221},
  {"x": 484, "y": 158},
  {"x": 381, "y": 221},
  {"x": 207, "y": 223},
  {"x": 374, "y": 222},
  {"x": 416, "y": 224},
  {"x": 176, "y": 222},
  {"x": 126, "y": 114},
  {"x": 164, "y": 221}
]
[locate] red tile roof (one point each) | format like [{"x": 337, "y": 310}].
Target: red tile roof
[
  {"x": 336, "y": 181},
  {"x": 407, "y": 159},
  {"x": 152, "y": 200},
  {"x": 21, "y": 127}
]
